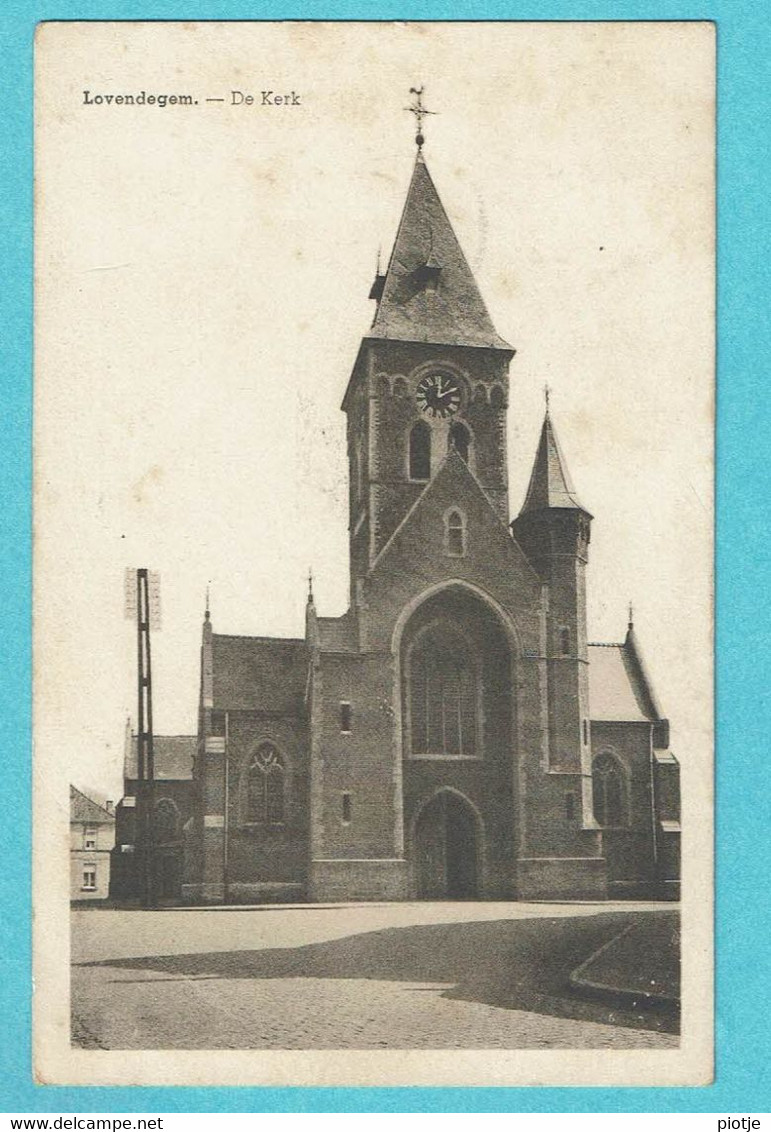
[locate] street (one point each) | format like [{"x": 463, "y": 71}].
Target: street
[{"x": 428, "y": 975}]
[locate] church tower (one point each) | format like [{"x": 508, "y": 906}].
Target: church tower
[{"x": 432, "y": 373}]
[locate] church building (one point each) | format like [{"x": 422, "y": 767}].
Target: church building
[{"x": 453, "y": 735}]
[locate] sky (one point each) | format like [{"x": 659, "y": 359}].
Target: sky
[{"x": 202, "y": 276}]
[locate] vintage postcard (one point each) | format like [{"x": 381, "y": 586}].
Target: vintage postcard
[{"x": 373, "y": 578}]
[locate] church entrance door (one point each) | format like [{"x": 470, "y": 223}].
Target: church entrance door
[{"x": 446, "y": 849}]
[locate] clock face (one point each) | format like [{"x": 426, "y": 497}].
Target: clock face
[{"x": 438, "y": 395}]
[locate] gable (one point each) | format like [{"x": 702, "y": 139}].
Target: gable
[{"x": 417, "y": 555}]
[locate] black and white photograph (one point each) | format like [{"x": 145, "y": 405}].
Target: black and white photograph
[{"x": 374, "y": 407}]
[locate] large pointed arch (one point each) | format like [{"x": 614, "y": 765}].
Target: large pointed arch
[{"x": 450, "y": 584}]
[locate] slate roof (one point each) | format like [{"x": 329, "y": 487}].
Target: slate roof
[
  {"x": 550, "y": 482},
  {"x": 618, "y": 690},
  {"x": 450, "y": 312},
  {"x": 86, "y": 810},
  {"x": 172, "y": 757},
  {"x": 336, "y": 634},
  {"x": 259, "y": 674}
]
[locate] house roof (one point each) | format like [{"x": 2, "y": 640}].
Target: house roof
[
  {"x": 172, "y": 757},
  {"x": 550, "y": 482},
  {"x": 451, "y": 310},
  {"x": 618, "y": 689},
  {"x": 85, "y": 809},
  {"x": 259, "y": 674}
]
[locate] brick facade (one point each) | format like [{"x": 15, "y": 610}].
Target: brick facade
[{"x": 442, "y": 738}]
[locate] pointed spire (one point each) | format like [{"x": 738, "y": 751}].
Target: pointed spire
[
  {"x": 311, "y": 620},
  {"x": 550, "y": 482},
  {"x": 428, "y": 293}
]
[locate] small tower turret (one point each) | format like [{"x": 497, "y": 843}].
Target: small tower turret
[{"x": 553, "y": 529}]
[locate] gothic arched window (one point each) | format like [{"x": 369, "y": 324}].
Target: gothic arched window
[
  {"x": 166, "y": 821},
  {"x": 608, "y": 790},
  {"x": 496, "y": 397},
  {"x": 420, "y": 452},
  {"x": 460, "y": 440},
  {"x": 455, "y": 534},
  {"x": 264, "y": 795},
  {"x": 444, "y": 690}
]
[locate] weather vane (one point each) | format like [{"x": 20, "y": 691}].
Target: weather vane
[
  {"x": 546, "y": 395},
  {"x": 420, "y": 112}
]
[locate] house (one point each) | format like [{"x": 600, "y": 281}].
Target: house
[{"x": 92, "y": 837}]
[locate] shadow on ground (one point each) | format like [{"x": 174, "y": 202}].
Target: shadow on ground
[{"x": 514, "y": 964}]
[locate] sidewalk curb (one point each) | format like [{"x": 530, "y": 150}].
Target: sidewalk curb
[{"x": 594, "y": 987}]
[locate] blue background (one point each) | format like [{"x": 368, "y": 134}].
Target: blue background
[{"x": 743, "y": 492}]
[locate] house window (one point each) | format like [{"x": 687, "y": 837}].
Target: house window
[
  {"x": 586, "y": 732},
  {"x": 460, "y": 440},
  {"x": 265, "y": 787},
  {"x": 89, "y": 839},
  {"x": 455, "y": 534},
  {"x": 443, "y": 695},
  {"x": 346, "y": 809},
  {"x": 570, "y": 807},
  {"x": 345, "y": 718},
  {"x": 608, "y": 791},
  {"x": 565, "y": 641},
  {"x": 166, "y": 821},
  {"x": 420, "y": 452},
  {"x": 89, "y": 878}
]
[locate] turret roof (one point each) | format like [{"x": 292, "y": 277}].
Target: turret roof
[{"x": 550, "y": 482}]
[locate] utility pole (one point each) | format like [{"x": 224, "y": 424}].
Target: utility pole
[{"x": 143, "y": 603}]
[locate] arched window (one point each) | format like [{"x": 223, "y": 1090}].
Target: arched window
[
  {"x": 565, "y": 641},
  {"x": 608, "y": 791},
  {"x": 443, "y": 695},
  {"x": 496, "y": 397},
  {"x": 166, "y": 821},
  {"x": 264, "y": 800},
  {"x": 460, "y": 440},
  {"x": 455, "y": 534},
  {"x": 420, "y": 452}
]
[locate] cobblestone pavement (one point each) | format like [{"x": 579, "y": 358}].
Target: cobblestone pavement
[{"x": 351, "y": 976}]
